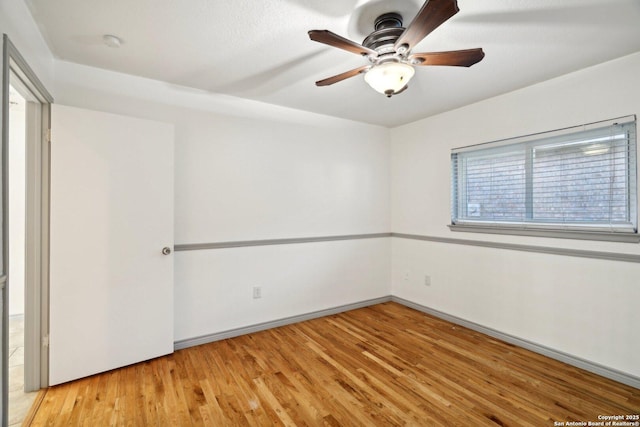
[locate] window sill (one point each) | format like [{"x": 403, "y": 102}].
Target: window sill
[{"x": 553, "y": 233}]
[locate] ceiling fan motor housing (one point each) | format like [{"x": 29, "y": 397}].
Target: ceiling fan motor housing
[{"x": 388, "y": 27}]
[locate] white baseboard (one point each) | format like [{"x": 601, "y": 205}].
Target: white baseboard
[{"x": 596, "y": 368}]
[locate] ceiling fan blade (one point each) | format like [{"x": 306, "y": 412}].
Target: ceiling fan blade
[
  {"x": 338, "y": 78},
  {"x": 332, "y": 39},
  {"x": 456, "y": 58},
  {"x": 430, "y": 17}
]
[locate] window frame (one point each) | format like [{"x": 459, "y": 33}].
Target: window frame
[{"x": 585, "y": 231}]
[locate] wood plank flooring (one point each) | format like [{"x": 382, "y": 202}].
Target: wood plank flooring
[{"x": 384, "y": 365}]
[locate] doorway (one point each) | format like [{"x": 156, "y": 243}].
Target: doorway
[
  {"x": 25, "y": 231},
  {"x": 20, "y": 400}
]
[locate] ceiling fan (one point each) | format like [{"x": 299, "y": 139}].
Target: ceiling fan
[{"x": 388, "y": 48}]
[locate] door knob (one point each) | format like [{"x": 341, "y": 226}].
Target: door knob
[{"x": 166, "y": 250}]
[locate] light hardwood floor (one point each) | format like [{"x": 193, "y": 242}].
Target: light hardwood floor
[{"x": 377, "y": 366}]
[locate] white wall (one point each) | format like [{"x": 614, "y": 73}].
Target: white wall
[
  {"x": 213, "y": 288},
  {"x": 583, "y": 307},
  {"x": 249, "y": 171}
]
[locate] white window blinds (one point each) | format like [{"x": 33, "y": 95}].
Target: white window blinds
[{"x": 575, "y": 179}]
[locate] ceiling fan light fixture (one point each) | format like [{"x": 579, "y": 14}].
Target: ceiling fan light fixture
[{"x": 389, "y": 77}]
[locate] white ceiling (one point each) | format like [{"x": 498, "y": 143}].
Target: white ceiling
[{"x": 259, "y": 49}]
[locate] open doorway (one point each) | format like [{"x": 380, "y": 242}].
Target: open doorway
[
  {"x": 20, "y": 400},
  {"x": 24, "y": 235}
]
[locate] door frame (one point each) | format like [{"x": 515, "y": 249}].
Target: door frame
[{"x": 16, "y": 70}]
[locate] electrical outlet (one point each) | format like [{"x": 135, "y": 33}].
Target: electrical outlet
[
  {"x": 427, "y": 280},
  {"x": 257, "y": 292}
]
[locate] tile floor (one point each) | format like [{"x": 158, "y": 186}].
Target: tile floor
[{"x": 19, "y": 401}]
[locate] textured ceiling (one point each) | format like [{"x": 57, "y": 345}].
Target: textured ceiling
[{"x": 259, "y": 49}]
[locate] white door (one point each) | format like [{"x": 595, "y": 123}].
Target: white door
[{"x": 111, "y": 286}]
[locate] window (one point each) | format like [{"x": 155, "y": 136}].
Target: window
[{"x": 577, "y": 183}]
